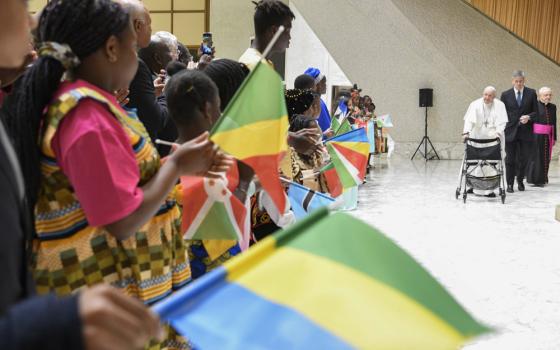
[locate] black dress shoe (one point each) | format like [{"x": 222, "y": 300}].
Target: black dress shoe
[
  {"x": 470, "y": 191},
  {"x": 521, "y": 186},
  {"x": 491, "y": 195},
  {"x": 538, "y": 185},
  {"x": 510, "y": 189}
]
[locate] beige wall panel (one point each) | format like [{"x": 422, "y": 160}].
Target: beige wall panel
[
  {"x": 188, "y": 27},
  {"x": 158, "y": 5},
  {"x": 231, "y": 23},
  {"x": 189, "y": 5},
  {"x": 36, "y": 5},
  {"x": 161, "y": 21}
]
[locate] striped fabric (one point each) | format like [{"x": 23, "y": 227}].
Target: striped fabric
[{"x": 70, "y": 254}]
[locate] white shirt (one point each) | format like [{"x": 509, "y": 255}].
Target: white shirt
[
  {"x": 485, "y": 121},
  {"x": 251, "y": 57}
]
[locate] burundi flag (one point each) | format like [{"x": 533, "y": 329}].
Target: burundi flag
[
  {"x": 304, "y": 200},
  {"x": 211, "y": 211},
  {"x": 254, "y": 126},
  {"x": 328, "y": 282}
]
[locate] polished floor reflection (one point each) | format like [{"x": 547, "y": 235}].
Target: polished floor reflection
[{"x": 502, "y": 262}]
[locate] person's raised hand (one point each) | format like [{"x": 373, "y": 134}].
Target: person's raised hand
[
  {"x": 159, "y": 83},
  {"x": 200, "y": 157},
  {"x": 122, "y": 96},
  {"x": 114, "y": 321},
  {"x": 304, "y": 140}
]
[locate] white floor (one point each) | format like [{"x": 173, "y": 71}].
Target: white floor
[{"x": 502, "y": 262}]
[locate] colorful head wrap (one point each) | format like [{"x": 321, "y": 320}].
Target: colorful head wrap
[{"x": 315, "y": 73}]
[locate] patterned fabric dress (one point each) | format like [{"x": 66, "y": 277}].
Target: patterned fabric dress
[
  {"x": 69, "y": 254},
  {"x": 305, "y": 171}
]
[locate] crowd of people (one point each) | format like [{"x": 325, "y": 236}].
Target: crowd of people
[
  {"x": 525, "y": 122},
  {"x": 92, "y": 204}
]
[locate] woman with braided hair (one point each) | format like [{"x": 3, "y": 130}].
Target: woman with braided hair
[
  {"x": 102, "y": 204},
  {"x": 228, "y": 75}
]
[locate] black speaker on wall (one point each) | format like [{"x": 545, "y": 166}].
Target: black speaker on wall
[{"x": 426, "y": 97}]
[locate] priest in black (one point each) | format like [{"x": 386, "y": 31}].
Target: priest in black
[
  {"x": 544, "y": 130},
  {"x": 522, "y": 107}
]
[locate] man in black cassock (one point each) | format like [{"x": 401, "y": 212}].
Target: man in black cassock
[
  {"x": 521, "y": 106},
  {"x": 544, "y": 129}
]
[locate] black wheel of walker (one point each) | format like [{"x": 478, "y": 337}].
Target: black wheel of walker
[
  {"x": 464, "y": 198},
  {"x": 503, "y": 198},
  {"x": 457, "y": 193}
]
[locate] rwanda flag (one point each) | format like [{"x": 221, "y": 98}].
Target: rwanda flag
[
  {"x": 254, "y": 126},
  {"x": 329, "y": 282},
  {"x": 304, "y": 200}
]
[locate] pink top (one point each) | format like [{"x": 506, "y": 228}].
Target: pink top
[{"x": 94, "y": 152}]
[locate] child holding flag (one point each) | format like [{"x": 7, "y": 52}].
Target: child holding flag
[{"x": 214, "y": 211}]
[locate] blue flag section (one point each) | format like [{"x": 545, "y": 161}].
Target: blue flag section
[
  {"x": 371, "y": 135},
  {"x": 343, "y": 107},
  {"x": 305, "y": 200},
  {"x": 358, "y": 135}
]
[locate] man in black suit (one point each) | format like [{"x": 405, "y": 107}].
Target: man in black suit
[
  {"x": 521, "y": 105},
  {"x": 154, "y": 55}
]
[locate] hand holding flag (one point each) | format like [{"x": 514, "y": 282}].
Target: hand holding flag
[
  {"x": 349, "y": 155},
  {"x": 330, "y": 281},
  {"x": 253, "y": 128},
  {"x": 199, "y": 157}
]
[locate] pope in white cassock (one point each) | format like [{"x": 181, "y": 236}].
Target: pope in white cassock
[{"x": 486, "y": 118}]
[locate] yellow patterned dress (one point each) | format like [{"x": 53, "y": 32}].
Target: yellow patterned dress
[
  {"x": 69, "y": 254},
  {"x": 306, "y": 171}
]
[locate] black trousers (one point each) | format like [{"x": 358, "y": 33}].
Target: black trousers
[{"x": 517, "y": 157}]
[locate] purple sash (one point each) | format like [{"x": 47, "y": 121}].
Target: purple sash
[{"x": 543, "y": 129}]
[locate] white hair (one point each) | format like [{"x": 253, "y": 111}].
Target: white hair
[
  {"x": 544, "y": 90},
  {"x": 167, "y": 38},
  {"x": 490, "y": 88}
]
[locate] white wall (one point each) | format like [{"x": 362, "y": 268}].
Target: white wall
[
  {"x": 231, "y": 23},
  {"x": 306, "y": 50},
  {"x": 392, "y": 48}
]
